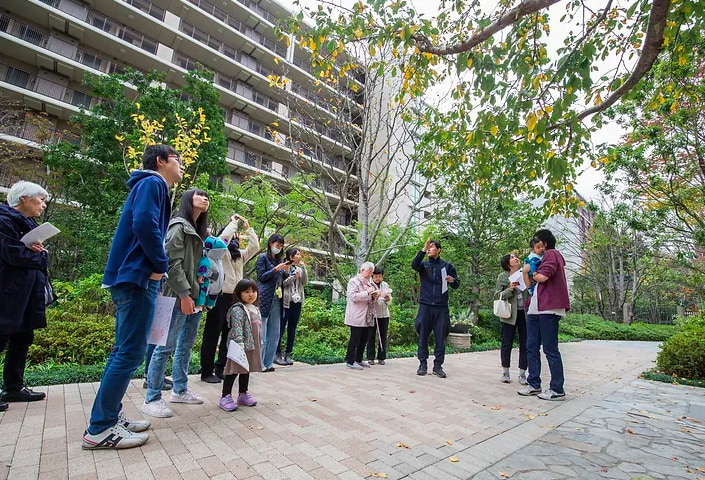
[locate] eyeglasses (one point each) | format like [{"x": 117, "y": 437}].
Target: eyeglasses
[{"x": 176, "y": 158}]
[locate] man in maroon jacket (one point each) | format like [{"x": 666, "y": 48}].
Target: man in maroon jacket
[{"x": 543, "y": 312}]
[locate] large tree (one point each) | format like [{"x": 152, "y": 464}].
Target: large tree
[
  {"x": 520, "y": 105},
  {"x": 129, "y": 112}
]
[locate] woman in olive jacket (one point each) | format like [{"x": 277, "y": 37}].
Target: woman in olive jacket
[{"x": 516, "y": 324}]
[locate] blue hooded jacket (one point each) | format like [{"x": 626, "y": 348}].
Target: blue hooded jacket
[{"x": 138, "y": 245}]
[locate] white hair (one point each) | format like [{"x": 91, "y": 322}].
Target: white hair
[
  {"x": 24, "y": 189},
  {"x": 367, "y": 266}
]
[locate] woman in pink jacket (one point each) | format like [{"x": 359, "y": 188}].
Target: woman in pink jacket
[{"x": 359, "y": 315}]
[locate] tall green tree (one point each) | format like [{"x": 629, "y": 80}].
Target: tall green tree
[
  {"x": 521, "y": 106},
  {"x": 130, "y": 111}
]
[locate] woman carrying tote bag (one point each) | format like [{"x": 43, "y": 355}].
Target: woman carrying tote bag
[{"x": 516, "y": 322}]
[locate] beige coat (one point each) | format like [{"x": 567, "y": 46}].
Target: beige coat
[
  {"x": 358, "y": 311},
  {"x": 291, "y": 284},
  {"x": 502, "y": 291},
  {"x": 233, "y": 269}
]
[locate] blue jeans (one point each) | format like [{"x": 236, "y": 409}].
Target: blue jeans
[
  {"x": 134, "y": 312},
  {"x": 182, "y": 335},
  {"x": 543, "y": 330},
  {"x": 270, "y": 332}
]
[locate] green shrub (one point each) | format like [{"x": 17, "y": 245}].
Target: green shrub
[{"x": 683, "y": 355}]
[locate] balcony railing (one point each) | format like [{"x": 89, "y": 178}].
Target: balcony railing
[
  {"x": 266, "y": 14},
  {"x": 236, "y": 24},
  {"x": 31, "y": 82},
  {"x": 54, "y": 44},
  {"x": 229, "y": 83},
  {"x": 244, "y": 122},
  {"x": 108, "y": 25},
  {"x": 38, "y": 134},
  {"x": 9, "y": 178},
  {"x": 148, "y": 8}
]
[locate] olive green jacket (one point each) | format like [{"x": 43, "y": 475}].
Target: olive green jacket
[
  {"x": 502, "y": 288},
  {"x": 184, "y": 248}
]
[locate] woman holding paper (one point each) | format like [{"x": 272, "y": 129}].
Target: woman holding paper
[
  {"x": 512, "y": 291},
  {"x": 24, "y": 270}
]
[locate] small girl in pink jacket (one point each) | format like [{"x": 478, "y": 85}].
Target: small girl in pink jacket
[{"x": 359, "y": 315}]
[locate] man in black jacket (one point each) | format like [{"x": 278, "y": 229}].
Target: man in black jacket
[{"x": 433, "y": 312}]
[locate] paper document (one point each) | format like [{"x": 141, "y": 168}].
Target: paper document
[
  {"x": 162, "y": 320},
  {"x": 237, "y": 354},
  {"x": 518, "y": 276},
  {"x": 444, "y": 275},
  {"x": 40, "y": 234}
]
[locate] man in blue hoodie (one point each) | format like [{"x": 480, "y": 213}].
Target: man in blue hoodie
[
  {"x": 136, "y": 265},
  {"x": 433, "y": 315}
]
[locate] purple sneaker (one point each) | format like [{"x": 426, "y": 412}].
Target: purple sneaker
[
  {"x": 228, "y": 404},
  {"x": 246, "y": 399}
]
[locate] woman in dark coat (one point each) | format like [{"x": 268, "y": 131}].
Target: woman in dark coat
[{"x": 23, "y": 273}]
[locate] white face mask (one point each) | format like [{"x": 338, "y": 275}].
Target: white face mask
[{"x": 276, "y": 250}]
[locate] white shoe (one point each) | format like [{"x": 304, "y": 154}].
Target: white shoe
[
  {"x": 551, "y": 395},
  {"x": 364, "y": 364},
  {"x": 114, "y": 437},
  {"x": 157, "y": 409},
  {"x": 187, "y": 397},
  {"x": 354, "y": 366},
  {"x": 132, "y": 425}
]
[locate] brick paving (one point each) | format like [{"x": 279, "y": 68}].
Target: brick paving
[{"x": 328, "y": 422}]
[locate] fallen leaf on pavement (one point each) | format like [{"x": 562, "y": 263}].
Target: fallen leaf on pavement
[
  {"x": 685, "y": 430},
  {"x": 502, "y": 474},
  {"x": 543, "y": 414},
  {"x": 402, "y": 445},
  {"x": 692, "y": 419},
  {"x": 379, "y": 475},
  {"x": 496, "y": 408},
  {"x": 550, "y": 426},
  {"x": 529, "y": 416},
  {"x": 451, "y": 443},
  {"x": 454, "y": 459},
  {"x": 631, "y": 431},
  {"x": 412, "y": 391},
  {"x": 314, "y": 399}
]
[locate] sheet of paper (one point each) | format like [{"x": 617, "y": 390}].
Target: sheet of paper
[
  {"x": 237, "y": 354},
  {"x": 162, "y": 319},
  {"x": 40, "y": 234},
  {"x": 444, "y": 275},
  {"x": 518, "y": 277}
]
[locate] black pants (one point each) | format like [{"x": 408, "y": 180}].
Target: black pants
[
  {"x": 290, "y": 320},
  {"x": 215, "y": 328},
  {"x": 383, "y": 325},
  {"x": 437, "y": 320},
  {"x": 230, "y": 381},
  {"x": 17, "y": 345},
  {"x": 508, "y": 332},
  {"x": 356, "y": 344}
]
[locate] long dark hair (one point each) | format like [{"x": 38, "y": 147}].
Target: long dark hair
[
  {"x": 186, "y": 211},
  {"x": 275, "y": 238},
  {"x": 242, "y": 286}
]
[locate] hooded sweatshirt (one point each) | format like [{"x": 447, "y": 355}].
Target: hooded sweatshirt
[{"x": 137, "y": 250}]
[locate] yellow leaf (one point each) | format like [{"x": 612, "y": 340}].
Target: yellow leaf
[
  {"x": 469, "y": 62},
  {"x": 454, "y": 459},
  {"x": 402, "y": 445},
  {"x": 496, "y": 408},
  {"x": 504, "y": 475},
  {"x": 494, "y": 130},
  {"x": 379, "y": 475},
  {"x": 449, "y": 442},
  {"x": 631, "y": 431},
  {"x": 531, "y": 122}
]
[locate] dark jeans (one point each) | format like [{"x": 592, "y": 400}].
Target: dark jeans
[
  {"x": 215, "y": 335},
  {"x": 290, "y": 320},
  {"x": 17, "y": 345},
  {"x": 356, "y": 344},
  {"x": 229, "y": 381},
  {"x": 437, "y": 320},
  {"x": 134, "y": 313},
  {"x": 543, "y": 330},
  {"x": 508, "y": 332},
  {"x": 372, "y": 335}
]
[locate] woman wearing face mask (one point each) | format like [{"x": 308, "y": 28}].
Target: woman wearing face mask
[
  {"x": 293, "y": 302},
  {"x": 271, "y": 273}
]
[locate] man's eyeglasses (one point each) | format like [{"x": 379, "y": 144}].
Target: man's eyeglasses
[{"x": 176, "y": 158}]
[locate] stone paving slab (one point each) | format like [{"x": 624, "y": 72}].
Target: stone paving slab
[{"x": 327, "y": 421}]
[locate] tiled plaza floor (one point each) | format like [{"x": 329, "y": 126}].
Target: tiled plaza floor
[{"x": 326, "y": 422}]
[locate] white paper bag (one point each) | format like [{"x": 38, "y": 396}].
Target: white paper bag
[
  {"x": 237, "y": 354},
  {"x": 162, "y": 320}
]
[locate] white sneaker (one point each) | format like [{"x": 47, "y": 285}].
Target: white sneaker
[
  {"x": 354, "y": 366},
  {"x": 364, "y": 364},
  {"x": 551, "y": 395},
  {"x": 187, "y": 396},
  {"x": 114, "y": 437},
  {"x": 132, "y": 425},
  {"x": 522, "y": 379},
  {"x": 529, "y": 391},
  {"x": 506, "y": 378},
  {"x": 157, "y": 409}
]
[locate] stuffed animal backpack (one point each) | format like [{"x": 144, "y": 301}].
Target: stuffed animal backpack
[{"x": 210, "y": 270}]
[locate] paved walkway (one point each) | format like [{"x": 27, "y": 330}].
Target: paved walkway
[{"x": 327, "y": 422}]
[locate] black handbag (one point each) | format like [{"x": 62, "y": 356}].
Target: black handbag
[{"x": 49, "y": 295}]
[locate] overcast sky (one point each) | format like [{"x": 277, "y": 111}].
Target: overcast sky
[{"x": 611, "y": 133}]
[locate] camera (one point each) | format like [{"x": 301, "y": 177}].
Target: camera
[{"x": 296, "y": 297}]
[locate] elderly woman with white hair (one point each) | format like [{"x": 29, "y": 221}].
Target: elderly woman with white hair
[
  {"x": 359, "y": 315},
  {"x": 24, "y": 274}
]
